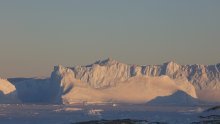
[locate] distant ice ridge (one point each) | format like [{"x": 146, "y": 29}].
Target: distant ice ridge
[{"x": 105, "y": 73}]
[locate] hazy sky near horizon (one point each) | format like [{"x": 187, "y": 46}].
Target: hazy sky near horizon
[{"x": 36, "y": 35}]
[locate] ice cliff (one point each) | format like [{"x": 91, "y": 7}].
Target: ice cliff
[{"x": 105, "y": 73}]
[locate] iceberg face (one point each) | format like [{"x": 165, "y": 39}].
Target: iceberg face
[
  {"x": 8, "y": 93},
  {"x": 62, "y": 80},
  {"x": 138, "y": 89},
  {"x": 6, "y": 87},
  {"x": 110, "y": 80},
  {"x": 102, "y": 73},
  {"x": 112, "y": 76},
  {"x": 35, "y": 90},
  {"x": 107, "y": 72}
]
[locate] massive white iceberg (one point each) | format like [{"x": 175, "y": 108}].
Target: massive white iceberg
[
  {"x": 108, "y": 72},
  {"x": 112, "y": 81}
]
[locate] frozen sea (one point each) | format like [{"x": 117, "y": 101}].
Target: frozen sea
[{"x": 68, "y": 114}]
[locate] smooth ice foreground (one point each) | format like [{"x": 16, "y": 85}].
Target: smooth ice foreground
[{"x": 68, "y": 114}]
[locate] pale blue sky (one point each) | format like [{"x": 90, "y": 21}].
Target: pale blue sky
[{"x": 37, "y": 34}]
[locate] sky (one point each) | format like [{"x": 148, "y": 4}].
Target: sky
[{"x": 35, "y": 35}]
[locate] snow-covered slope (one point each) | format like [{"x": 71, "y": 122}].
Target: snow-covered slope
[{"x": 8, "y": 92}]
